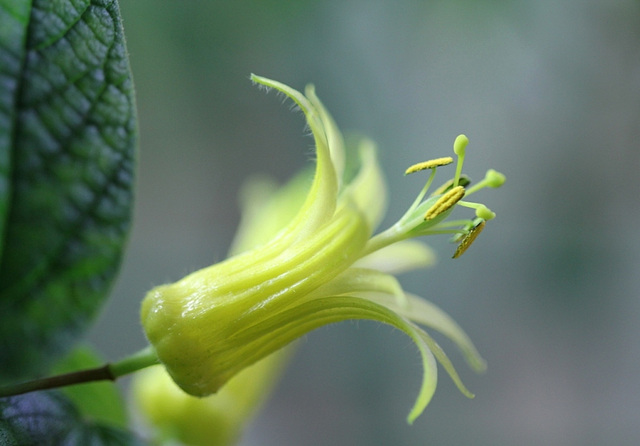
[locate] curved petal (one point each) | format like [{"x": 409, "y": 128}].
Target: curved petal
[
  {"x": 284, "y": 327},
  {"x": 382, "y": 288},
  {"x": 334, "y": 136},
  {"x": 321, "y": 201},
  {"x": 426, "y": 313},
  {"x": 444, "y": 361}
]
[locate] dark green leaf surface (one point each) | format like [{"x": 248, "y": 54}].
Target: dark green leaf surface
[
  {"x": 67, "y": 140},
  {"x": 49, "y": 419},
  {"x": 14, "y": 17}
]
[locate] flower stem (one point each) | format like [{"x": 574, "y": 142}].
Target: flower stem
[
  {"x": 138, "y": 361},
  {"x": 107, "y": 372},
  {"x": 391, "y": 235}
]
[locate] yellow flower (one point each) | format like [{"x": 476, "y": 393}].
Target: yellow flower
[
  {"x": 217, "y": 420},
  {"x": 324, "y": 266}
]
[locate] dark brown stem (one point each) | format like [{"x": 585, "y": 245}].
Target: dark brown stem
[{"x": 101, "y": 373}]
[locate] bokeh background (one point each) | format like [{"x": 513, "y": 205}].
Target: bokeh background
[{"x": 547, "y": 91}]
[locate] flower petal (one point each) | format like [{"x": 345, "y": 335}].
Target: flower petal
[
  {"x": 444, "y": 361},
  {"x": 355, "y": 281},
  {"x": 333, "y": 134},
  {"x": 284, "y": 327},
  {"x": 321, "y": 201},
  {"x": 267, "y": 208},
  {"x": 426, "y": 313},
  {"x": 368, "y": 189},
  {"x": 400, "y": 257}
]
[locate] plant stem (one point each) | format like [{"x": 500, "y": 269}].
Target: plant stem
[
  {"x": 138, "y": 361},
  {"x": 107, "y": 372}
]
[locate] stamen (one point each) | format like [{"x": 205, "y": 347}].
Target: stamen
[
  {"x": 492, "y": 179},
  {"x": 431, "y": 164},
  {"x": 482, "y": 211},
  {"x": 444, "y": 203},
  {"x": 468, "y": 239},
  {"x": 420, "y": 196}
]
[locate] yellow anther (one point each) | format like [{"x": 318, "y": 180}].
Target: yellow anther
[
  {"x": 431, "y": 164},
  {"x": 468, "y": 239},
  {"x": 444, "y": 203}
]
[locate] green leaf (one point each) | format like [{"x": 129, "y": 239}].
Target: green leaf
[
  {"x": 67, "y": 156},
  {"x": 14, "y": 17},
  {"x": 48, "y": 418},
  {"x": 99, "y": 401}
]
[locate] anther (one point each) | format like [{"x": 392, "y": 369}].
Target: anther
[
  {"x": 468, "y": 239},
  {"x": 431, "y": 164},
  {"x": 444, "y": 203}
]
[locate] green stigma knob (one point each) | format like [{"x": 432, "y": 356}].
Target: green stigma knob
[
  {"x": 494, "y": 178},
  {"x": 485, "y": 213},
  {"x": 460, "y": 144}
]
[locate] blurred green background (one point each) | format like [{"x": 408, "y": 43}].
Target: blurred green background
[{"x": 548, "y": 93}]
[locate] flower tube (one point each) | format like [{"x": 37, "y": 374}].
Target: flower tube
[{"x": 325, "y": 266}]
